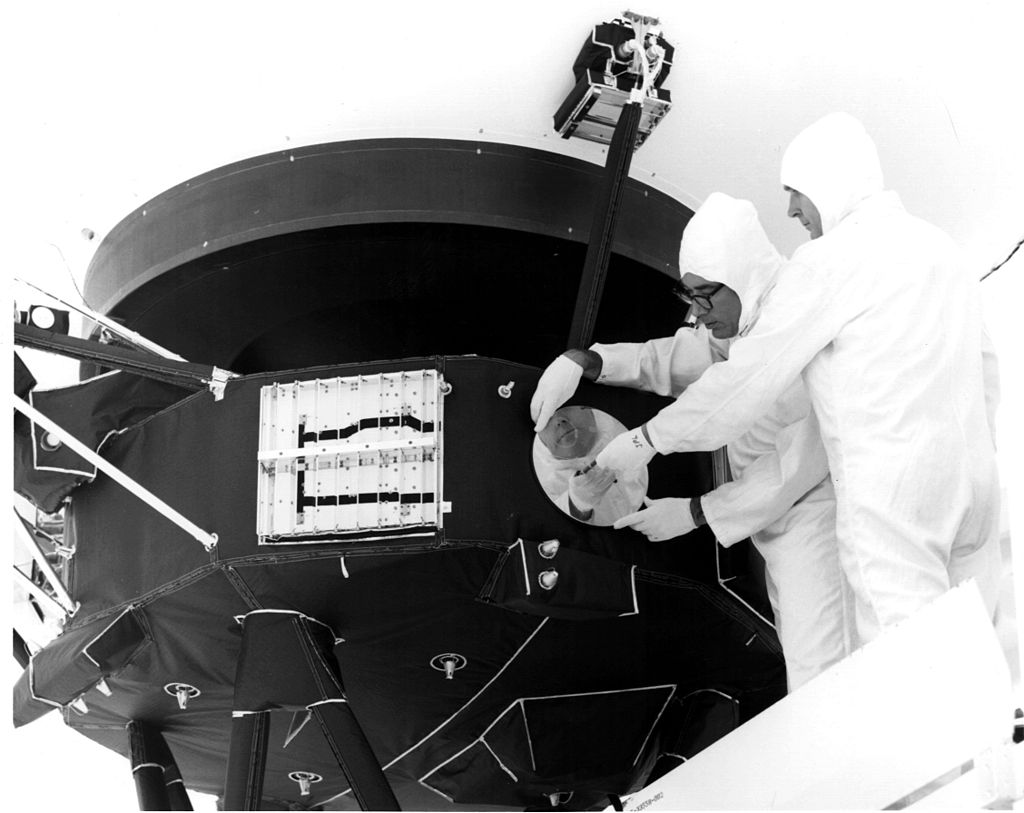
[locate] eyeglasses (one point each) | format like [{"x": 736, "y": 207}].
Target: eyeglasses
[{"x": 691, "y": 297}]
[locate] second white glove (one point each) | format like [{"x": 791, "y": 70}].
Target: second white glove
[
  {"x": 556, "y": 386},
  {"x": 661, "y": 519},
  {"x": 626, "y": 452}
]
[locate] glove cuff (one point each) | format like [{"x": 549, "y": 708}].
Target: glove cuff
[{"x": 588, "y": 360}]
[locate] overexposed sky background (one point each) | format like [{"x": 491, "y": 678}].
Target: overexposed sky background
[{"x": 110, "y": 103}]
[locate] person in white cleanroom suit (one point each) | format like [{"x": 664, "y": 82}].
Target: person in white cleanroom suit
[
  {"x": 880, "y": 317},
  {"x": 781, "y": 497}
]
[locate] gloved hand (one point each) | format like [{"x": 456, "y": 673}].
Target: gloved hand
[
  {"x": 626, "y": 452},
  {"x": 586, "y": 488},
  {"x": 661, "y": 519},
  {"x": 556, "y": 386}
]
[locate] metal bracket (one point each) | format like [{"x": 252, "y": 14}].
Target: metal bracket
[{"x": 219, "y": 381}]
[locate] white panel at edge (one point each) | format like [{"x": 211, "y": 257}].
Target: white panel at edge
[{"x": 925, "y": 697}]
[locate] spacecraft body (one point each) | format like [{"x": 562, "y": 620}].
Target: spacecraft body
[{"x": 386, "y": 610}]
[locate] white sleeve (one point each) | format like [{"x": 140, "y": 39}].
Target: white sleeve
[
  {"x": 802, "y": 315},
  {"x": 770, "y": 485},
  {"x": 990, "y": 379},
  {"x": 665, "y": 366}
]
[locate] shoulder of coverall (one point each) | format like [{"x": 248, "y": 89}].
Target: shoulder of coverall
[
  {"x": 834, "y": 163},
  {"x": 820, "y": 266},
  {"x": 872, "y": 232},
  {"x": 806, "y": 282}
]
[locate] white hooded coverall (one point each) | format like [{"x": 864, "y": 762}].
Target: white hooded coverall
[
  {"x": 883, "y": 322},
  {"x": 781, "y": 497}
]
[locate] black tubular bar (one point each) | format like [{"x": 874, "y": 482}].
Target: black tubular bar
[
  {"x": 355, "y": 757},
  {"x": 602, "y": 228},
  {"x": 158, "y": 781},
  {"x": 177, "y": 795},
  {"x": 247, "y": 761},
  {"x": 182, "y": 373},
  {"x": 147, "y": 767}
]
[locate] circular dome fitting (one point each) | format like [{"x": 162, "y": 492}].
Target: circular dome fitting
[
  {"x": 305, "y": 779},
  {"x": 449, "y": 663},
  {"x": 183, "y": 691}
]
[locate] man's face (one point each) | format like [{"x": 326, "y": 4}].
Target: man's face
[
  {"x": 723, "y": 317},
  {"x": 570, "y": 433},
  {"x": 802, "y": 209}
]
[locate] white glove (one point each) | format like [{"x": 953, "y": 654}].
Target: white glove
[
  {"x": 661, "y": 519},
  {"x": 626, "y": 452},
  {"x": 556, "y": 386},
  {"x": 588, "y": 487}
]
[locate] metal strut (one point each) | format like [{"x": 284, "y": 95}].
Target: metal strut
[
  {"x": 171, "y": 371},
  {"x": 109, "y": 324},
  {"x": 208, "y": 540},
  {"x": 157, "y": 778},
  {"x": 602, "y": 228}
]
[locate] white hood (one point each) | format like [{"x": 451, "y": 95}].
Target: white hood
[
  {"x": 724, "y": 242},
  {"x": 835, "y": 163}
]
